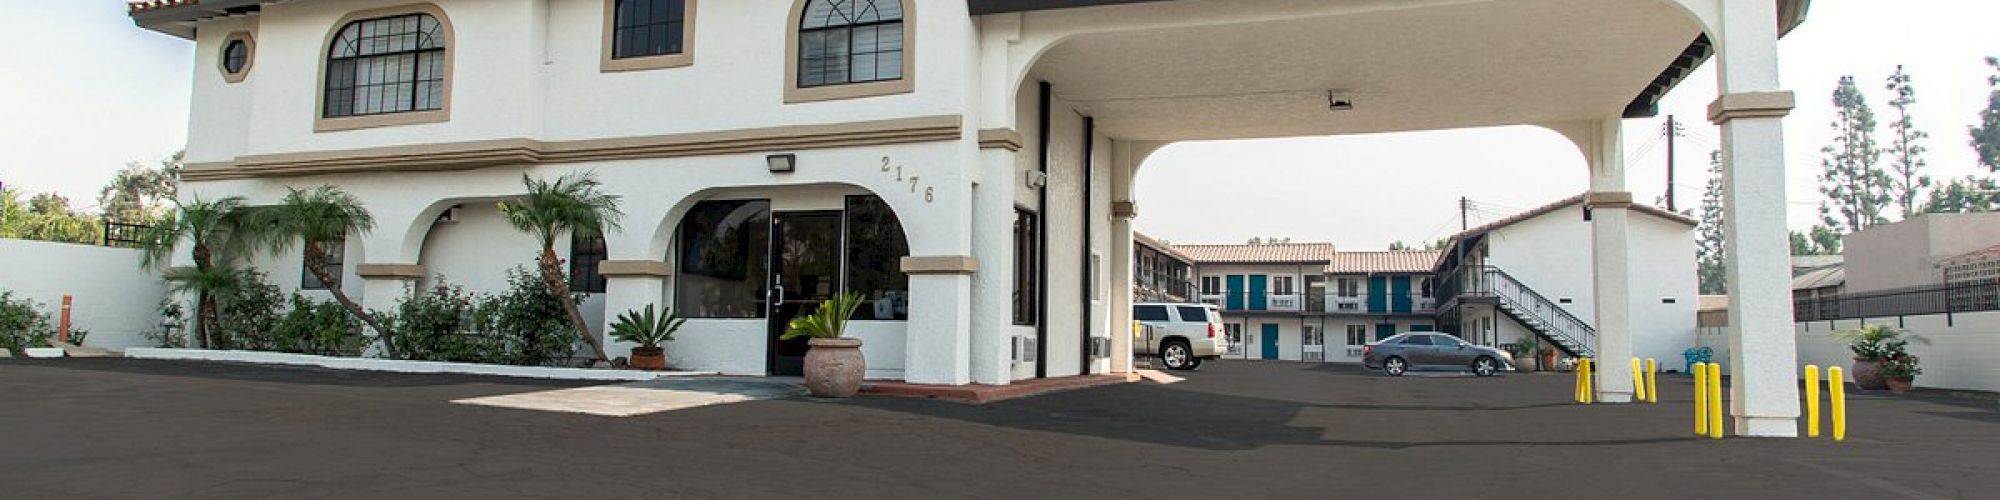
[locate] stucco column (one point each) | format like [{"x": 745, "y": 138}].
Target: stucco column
[
  {"x": 631, "y": 285},
  {"x": 939, "y": 341},
  {"x": 1763, "y": 351},
  {"x": 1611, "y": 261},
  {"x": 1123, "y": 209},
  {"x": 991, "y": 360},
  {"x": 384, "y": 286}
]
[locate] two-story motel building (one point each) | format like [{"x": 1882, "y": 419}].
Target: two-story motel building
[{"x": 801, "y": 143}]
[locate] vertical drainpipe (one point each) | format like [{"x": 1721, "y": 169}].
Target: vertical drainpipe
[
  {"x": 1042, "y": 236},
  {"x": 1090, "y": 275}
]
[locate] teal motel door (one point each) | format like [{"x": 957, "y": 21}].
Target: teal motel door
[
  {"x": 1399, "y": 293},
  {"x": 1385, "y": 330},
  {"x": 1233, "y": 287},
  {"x": 1260, "y": 292},
  {"x": 1270, "y": 341},
  {"x": 1378, "y": 294}
]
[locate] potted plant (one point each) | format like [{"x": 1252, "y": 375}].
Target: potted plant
[
  {"x": 1523, "y": 351},
  {"x": 1872, "y": 344},
  {"x": 1549, "y": 360},
  {"x": 648, "y": 329},
  {"x": 834, "y": 366},
  {"x": 1899, "y": 371}
]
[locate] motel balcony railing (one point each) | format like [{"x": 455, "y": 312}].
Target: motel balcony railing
[{"x": 1947, "y": 299}]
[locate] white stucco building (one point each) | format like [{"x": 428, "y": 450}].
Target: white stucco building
[{"x": 1002, "y": 135}]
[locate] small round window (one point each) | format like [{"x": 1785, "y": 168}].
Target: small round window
[{"x": 235, "y": 57}]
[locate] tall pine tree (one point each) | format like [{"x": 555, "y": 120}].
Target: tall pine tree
[
  {"x": 1906, "y": 157},
  {"x": 1710, "y": 256},
  {"x": 1986, "y": 135},
  {"x": 1856, "y": 188}
]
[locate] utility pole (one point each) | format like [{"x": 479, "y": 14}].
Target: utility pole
[
  {"x": 1464, "y": 205},
  {"x": 1673, "y": 130}
]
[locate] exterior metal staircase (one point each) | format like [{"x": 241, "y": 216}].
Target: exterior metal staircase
[{"x": 1531, "y": 309}]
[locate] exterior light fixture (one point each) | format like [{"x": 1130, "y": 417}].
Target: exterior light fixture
[
  {"x": 784, "y": 163},
  {"x": 1335, "y": 102}
]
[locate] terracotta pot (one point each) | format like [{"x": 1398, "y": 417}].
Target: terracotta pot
[
  {"x": 1524, "y": 362},
  {"x": 649, "y": 358},
  {"x": 1868, "y": 375},
  {"x": 834, "y": 367},
  {"x": 1900, "y": 386},
  {"x": 1549, "y": 362}
]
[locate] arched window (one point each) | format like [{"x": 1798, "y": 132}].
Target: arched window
[
  {"x": 387, "y": 65},
  {"x": 850, "y": 41},
  {"x": 849, "y": 48}
]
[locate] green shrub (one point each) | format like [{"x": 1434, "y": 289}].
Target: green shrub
[
  {"x": 23, "y": 324},
  {"x": 312, "y": 327},
  {"x": 530, "y": 322},
  {"x": 439, "y": 325},
  {"x": 175, "y": 337},
  {"x": 524, "y": 325},
  {"x": 247, "y": 312}
]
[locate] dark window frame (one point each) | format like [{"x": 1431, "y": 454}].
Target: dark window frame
[
  {"x": 586, "y": 254},
  {"x": 335, "y": 266},
  {"x": 236, "y": 56},
  {"x": 674, "y": 24},
  {"x": 342, "y": 85},
  {"x": 847, "y": 28},
  {"x": 1027, "y": 267},
  {"x": 755, "y": 263}
]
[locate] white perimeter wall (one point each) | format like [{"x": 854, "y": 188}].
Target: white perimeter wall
[
  {"x": 1964, "y": 354},
  {"x": 112, "y": 296},
  {"x": 1552, "y": 254}
]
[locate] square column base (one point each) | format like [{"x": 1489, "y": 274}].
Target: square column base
[
  {"x": 1611, "y": 397},
  {"x": 1781, "y": 427}
]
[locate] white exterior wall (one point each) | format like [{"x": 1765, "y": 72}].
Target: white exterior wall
[
  {"x": 110, "y": 294},
  {"x": 1551, "y": 253},
  {"x": 1964, "y": 354}
]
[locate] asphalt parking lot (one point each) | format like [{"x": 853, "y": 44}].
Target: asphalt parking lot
[{"x": 115, "y": 428}]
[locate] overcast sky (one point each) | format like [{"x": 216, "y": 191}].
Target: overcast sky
[{"x": 70, "y": 116}]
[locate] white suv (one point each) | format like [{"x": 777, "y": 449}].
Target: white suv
[{"x": 1181, "y": 335}]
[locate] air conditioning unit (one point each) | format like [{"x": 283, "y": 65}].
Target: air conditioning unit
[
  {"x": 1100, "y": 347},
  {"x": 1025, "y": 349}
]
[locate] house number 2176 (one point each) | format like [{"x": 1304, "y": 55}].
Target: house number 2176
[{"x": 930, "y": 192}]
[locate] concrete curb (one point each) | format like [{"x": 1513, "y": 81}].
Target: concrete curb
[{"x": 401, "y": 366}]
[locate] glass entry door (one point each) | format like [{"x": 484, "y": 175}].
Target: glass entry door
[{"x": 805, "y": 270}]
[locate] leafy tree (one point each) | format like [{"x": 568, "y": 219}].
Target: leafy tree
[
  {"x": 1399, "y": 245},
  {"x": 1711, "y": 256},
  {"x": 210, "y": 228},
  {"x": 1986, "y": 135},
  {"x": 45, "y": 217},
  {"x": 1273, "y": 240},
  {"x": 139, "y": 194},
  {"x": 1856, "y": 189},
  {"x": 1964, "y": 195},
  {"x": 571, "y": 205},
  {"x": 1906, "y": 162},
  {"x": 316, "y": 218},
  {"x": 1821, "y": 241}
]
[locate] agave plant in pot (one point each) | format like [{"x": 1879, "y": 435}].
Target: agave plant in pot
[
  {"x": 648, "y": 329},
  {"x": 834, "y": 366}
]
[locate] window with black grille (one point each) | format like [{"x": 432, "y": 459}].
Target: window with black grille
[
  {"x": 386, "y": 65},
  {"x": 641, "y": 28},
  {"x": 335, "y": 258},
  {"x": 585, "y": 254},
  {"x": 850, "y": 41},
  {"x": 236, "y": 57}
]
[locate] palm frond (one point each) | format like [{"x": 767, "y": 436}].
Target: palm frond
[
  {"x": 828, "y": 321},
  {"x": 574, "y": 203}
]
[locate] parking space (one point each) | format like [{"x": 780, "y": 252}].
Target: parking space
[{"x": 114, "y": 428}]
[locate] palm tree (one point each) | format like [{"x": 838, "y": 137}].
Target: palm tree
[
  {"x": 210, "y": 227},
  {"x": 317, "y": 217},
  {"x": 571, "y": 205}
]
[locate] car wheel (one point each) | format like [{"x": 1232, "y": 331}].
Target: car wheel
[
  {"x": 1395, "y": 366},
  {"x": 1195, "y": 365},
  {"x": 1177, "y": 356},
  {"x": 1485, "y": 366}
]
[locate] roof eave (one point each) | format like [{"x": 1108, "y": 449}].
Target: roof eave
[{"x": 179, "y": 20}]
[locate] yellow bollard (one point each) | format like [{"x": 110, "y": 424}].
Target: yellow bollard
[
  {"x": 1714, "y": 401},
  {"x": 1652, "y": 381},
  {"x": 1576, "y": 386},
  {"x": 1836, "y": 389},
  {"x": 1585, "y": 367},
  {"x": 1701, "y": 399},
  {"x": 1638, "y": 380},
  {"x": 1812, "y": 400}
]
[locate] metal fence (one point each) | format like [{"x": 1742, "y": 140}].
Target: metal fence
[
  {"x": 121, "y": 234},
  {"x": 1914, "y": 301}
]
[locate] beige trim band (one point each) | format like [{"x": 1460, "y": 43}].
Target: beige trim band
[
  {"x": 249, "y": 56},
  {"x": 940, "y": 264},
  {"x": 321, "y": 123},
  {"x": 634, "y": 269},
  {"x": 1774, "y": 104},
  {"x": 683, "y": 58},
  {"x": 390, "y": 271},
  {"x": 478, "y": 154},
  {"x": 1124, "y": 209},
  {"x": 1608, "y": 199},
  {"x": 795, "y": 94},
  {"x": 1000, "y": 138}
]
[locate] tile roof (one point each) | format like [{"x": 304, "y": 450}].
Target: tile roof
[
  {"x": 1559, "y": 205},
  {"x": 1156, "y": 244},
  {"x": 1392, "y": 261},
  {"x": 1282, "y": 253},
  {"x": 1988, "y": 252},
  {"x": 151, "y": 5},
  {"x": 1823, "y": 277}
]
